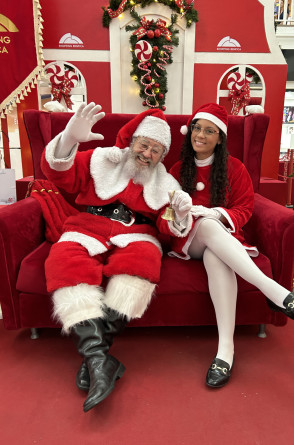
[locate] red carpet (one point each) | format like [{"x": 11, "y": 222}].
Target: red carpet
[{"x": 161, "y": 399}]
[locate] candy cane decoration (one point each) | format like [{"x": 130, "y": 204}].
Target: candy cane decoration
[
  {"x": 55, "y": 74},
  {"x": 163, "y": 59},
  {"x": 143, "y": 50},
  {"x": 235, "y": 81},
  {"x": 144, "y": 67}
]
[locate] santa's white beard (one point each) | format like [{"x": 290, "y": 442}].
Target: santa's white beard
[{"x": 139, "y": 173}]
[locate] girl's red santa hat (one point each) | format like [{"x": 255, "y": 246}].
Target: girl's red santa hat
[
  {"x": 151, "y": 124},
  {"x": 212, "y": 112}
]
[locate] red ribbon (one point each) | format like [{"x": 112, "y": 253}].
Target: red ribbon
[
  {"x": 63, "y": 89},
  {"x": 119, "y": 11},
  {"x": 145, "y": 26},
  {"x": 239, "y": 98},
  {"x": 161, "y": 24}
]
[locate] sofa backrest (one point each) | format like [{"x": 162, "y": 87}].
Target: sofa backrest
[{"x": 246, "y": 135}]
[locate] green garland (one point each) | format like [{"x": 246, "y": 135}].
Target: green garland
[
  {"x": 190, "y": 14},
  {"x": 151, "y": 75}
]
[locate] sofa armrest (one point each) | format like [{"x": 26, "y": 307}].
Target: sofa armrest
[
  {"x": 21, "y": 231},
  {"x": 271, "y": 229}
]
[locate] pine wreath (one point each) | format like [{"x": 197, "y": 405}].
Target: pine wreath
[
  {"x": 182, "y": 7},
  {"x": 149, "y": 67}
]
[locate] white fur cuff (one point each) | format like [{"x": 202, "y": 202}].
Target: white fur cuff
[
  {"x": 63, "y": 164},
  {"x": 129, "y": 295},
  {"x": 75, "y": 304}
]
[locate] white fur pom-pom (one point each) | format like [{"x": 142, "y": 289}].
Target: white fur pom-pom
[
  {"x": 184, "y": 130},
  {"x": 252, "y": 109},
  {"x": 54, "y": 105},
  {"x": 115, "y": 154},
  {"x": 200, "y": 186}
]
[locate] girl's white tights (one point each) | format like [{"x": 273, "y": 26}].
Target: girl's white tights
[{"x": 223, "y": 255}]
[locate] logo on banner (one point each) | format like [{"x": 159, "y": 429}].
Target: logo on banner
[
  {"x": 6, "y": 25},
  {"x": 228, "y": 44},
  {"x": 70, "y": 41}
]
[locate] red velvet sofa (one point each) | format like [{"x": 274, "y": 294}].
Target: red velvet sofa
[{"x": 182, "y": 296}]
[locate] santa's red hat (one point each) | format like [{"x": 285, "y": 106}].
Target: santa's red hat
[
  {"x": 150, "y": 123},
  {"x": 212, "y": 112}
]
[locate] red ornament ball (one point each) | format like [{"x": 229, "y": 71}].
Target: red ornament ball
[
  {"x": 144, "y": 103},
  {"x": 150, "y": 34},
  {"x": 163, "y": 108},
  {"x": 157, "y": 33},
  {"x": 160, "y": 96},
  {"x": 156, "y": 85},
  {"x": 148, "y": 78},
  {"x": 155, "y": 49},
  {"x": 145, "y": 67}
]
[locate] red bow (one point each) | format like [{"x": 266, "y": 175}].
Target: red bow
[
  {"x": 161, "y": 24},
  {"x": 239, "y": 98},
  {"x": 62, "y": 83},
  {"x": 140, "y": 32}
]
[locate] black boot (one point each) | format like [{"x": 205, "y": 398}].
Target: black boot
[
  {"x": 114, "y": 325},
  {"x": 103, "y": 369}
]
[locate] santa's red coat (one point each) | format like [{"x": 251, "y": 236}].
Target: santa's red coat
[{"x": 98, "y": 180}]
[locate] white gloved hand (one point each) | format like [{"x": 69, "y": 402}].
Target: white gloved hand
[
  {"x": 181, "y": 203},
  {"x": 78, "y": 129},
  {"x": 197, "y": 211}
]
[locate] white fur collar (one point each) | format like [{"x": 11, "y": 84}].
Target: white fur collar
[{"x": 111, "y": 178}]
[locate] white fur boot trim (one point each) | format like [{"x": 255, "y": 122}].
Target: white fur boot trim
[
  {"x": 74, "y": 304},
  {"x": 129, "y": 295}
]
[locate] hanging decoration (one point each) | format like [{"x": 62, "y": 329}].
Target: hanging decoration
[
  {"x": 239, "y": 91},
  {"x": 152, "y": 45},
  {"x": 182, "y": 7},
  {"x": 62, "y": 82},
  {"x": 21, "y": 54}
]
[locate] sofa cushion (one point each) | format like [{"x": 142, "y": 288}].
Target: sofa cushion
[{"x": 177, "y": 276}]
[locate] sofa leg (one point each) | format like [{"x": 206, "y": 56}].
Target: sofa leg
[
  {"x": 262, "y": 333},
  {"x": 34, "y": 333}
]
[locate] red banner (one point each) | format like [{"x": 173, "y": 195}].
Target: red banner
[{"x": 21, "y": 55}]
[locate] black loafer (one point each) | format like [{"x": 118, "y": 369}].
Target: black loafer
[
  {"x": 218, "y": 374},
  {"x": 288, "y": 308}
]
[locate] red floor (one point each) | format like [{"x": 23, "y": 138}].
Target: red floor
[{"x": 161, "y": 399}]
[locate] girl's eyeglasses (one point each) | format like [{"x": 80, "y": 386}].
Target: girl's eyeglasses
[{"x": 206, "y": 131}]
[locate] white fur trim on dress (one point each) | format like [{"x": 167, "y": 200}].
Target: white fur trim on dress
[
  {"x": 75, "y": 304},
  {"x": 232, "y": 228},
  {"x": 124, "y": 239},
  {"x": 129, "y": 295},
  {"x": 93, "y": 246},
  {"x": 62, "y": 164},
  {"x": 111, "y": 179}
]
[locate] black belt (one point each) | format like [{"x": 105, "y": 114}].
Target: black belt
[{"x": 119, "y": 212}]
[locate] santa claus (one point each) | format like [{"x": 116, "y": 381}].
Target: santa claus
[{"x": 125, "y": 189}]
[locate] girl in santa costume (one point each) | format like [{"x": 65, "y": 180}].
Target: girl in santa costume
[
  {"x": 125, "y": 189},
  {"x": 216, "y": 202}
]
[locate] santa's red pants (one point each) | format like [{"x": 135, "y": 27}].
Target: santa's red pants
[{"x": 70, "y": 264}]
